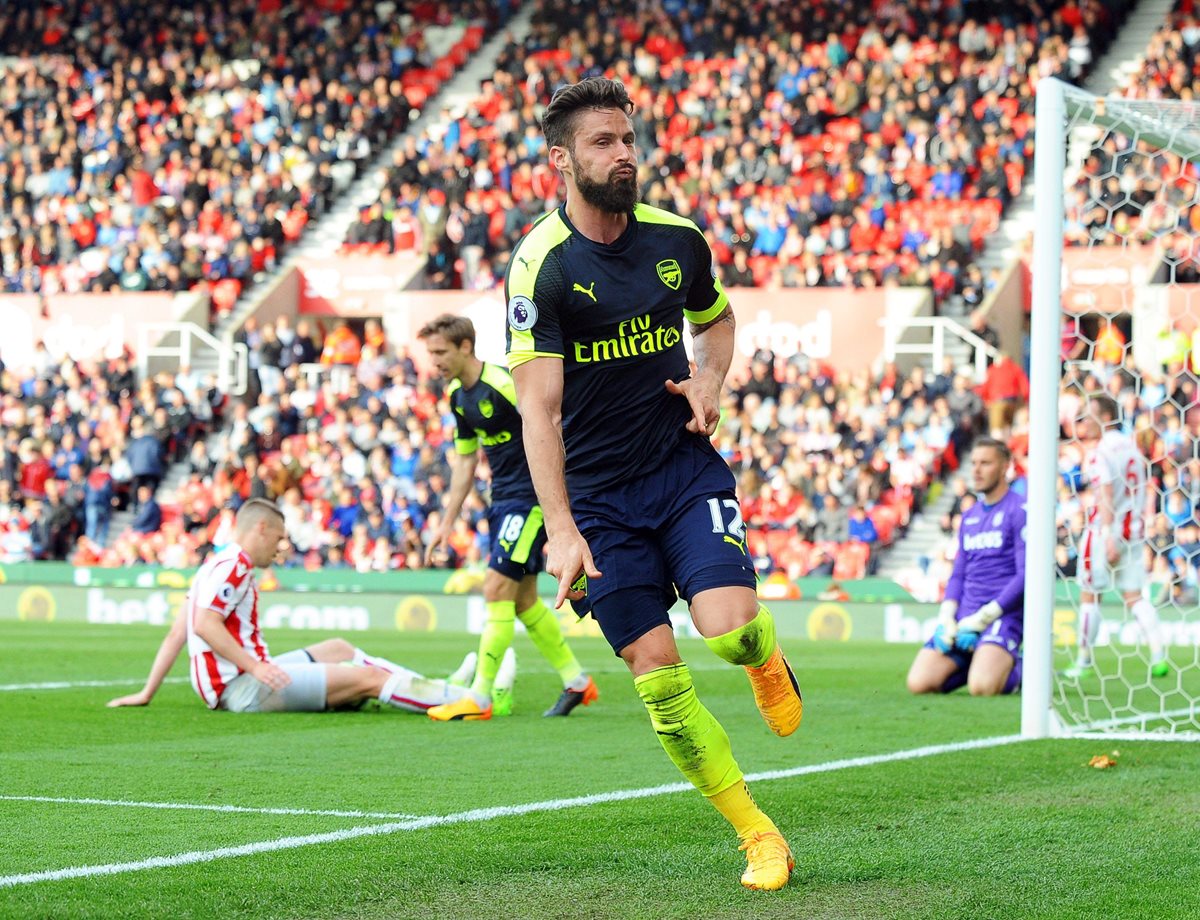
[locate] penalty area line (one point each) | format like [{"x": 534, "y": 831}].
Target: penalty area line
[
  {"x": 478, "y": 815},
  {"x": 72, "y": 684},
  {"x": 190, "y": 806}
]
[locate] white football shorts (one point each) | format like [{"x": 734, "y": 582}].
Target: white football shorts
[
  {"x": 1127, "y": 576},
  {"x": 306, "y": 692}
]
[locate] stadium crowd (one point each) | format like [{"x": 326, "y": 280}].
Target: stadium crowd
[
  {"x": 1137, "y": 192},
  {"x": 848, "y": 144},
  {"x": 1126, "y": 191},
  {"x": 1158, "y": 391},
  {"x": 159, "y": 146},
  {"x": 831, "y": 462},
  {"x": 838, "y": 460},
  {"x": 85, "y": 440}
]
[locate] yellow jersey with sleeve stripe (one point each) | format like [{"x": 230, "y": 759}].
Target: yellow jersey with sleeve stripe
[
  {"x": 614, "y": 315},
  {"x": 485, "y": 415}
]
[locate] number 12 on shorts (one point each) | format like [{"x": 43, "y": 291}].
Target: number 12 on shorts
[{"x": 735, "y": 530}]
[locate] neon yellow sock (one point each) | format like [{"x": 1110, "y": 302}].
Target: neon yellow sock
[
  {"x": 546, "y": 634},
  {"x": 740, "y": 810},
  {"x": 497, "y": 637},
  {"x": 751, "y": 644},
  {"x": 691, "y": 736}
]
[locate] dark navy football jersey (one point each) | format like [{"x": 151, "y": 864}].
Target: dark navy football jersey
[
  {"x": 486, "y": 416},
  {"x": 614, "y": 314}
]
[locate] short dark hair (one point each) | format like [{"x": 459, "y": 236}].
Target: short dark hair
[
  {"x": 1106, "y": 407},
  {"x": 998, "y": 446},
  {"x": 451, "y": 327},
  {"x": 558, "y": 121}
]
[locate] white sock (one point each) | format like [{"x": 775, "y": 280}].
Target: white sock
[
  {"x": 414, "y": 692},
  {"x": 506, "y": 674},
  {"x": 465, "y": 672},
  {"x": 579, "y": 684},
  {"x": 1089, "y": 632},
  {"x": 374, "y": 661},
  {"x": 1147, "y": 617}
]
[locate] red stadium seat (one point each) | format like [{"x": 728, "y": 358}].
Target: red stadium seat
[
  {"x": 850, "y": 562},
  {"x": 416, "y": 96},
  {"x": 778, "y": 542},
  {"x": 225, "y": 294},
  {"x": 886, "y": 520}
]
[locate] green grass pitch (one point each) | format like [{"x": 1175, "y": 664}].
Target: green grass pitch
[{"x": 1021, "y": 830}]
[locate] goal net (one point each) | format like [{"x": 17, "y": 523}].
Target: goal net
[{"x": 1113, "y": 573}]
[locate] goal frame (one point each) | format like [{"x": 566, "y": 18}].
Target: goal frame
[{"x": 1057, "y": 103}]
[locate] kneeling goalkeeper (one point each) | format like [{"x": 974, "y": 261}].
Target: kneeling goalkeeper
[{"x": 977, "y": 640}]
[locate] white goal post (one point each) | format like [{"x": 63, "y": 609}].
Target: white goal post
[{"x": 1119, "y": 698}]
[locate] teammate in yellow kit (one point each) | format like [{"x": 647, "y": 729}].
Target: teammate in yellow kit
[{"x": 484, "y": 405}]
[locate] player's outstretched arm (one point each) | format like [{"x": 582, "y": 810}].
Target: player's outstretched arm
[
  {"x": 168, "y": 652},
  {"x": 539, "y": 385},
  {"x": 712, "y": 345},
  {"x": 462, "y": 478}
]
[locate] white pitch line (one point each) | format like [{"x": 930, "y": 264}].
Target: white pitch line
[
  {"x": 138, "y": 681},
  {"x": 189, "y": 806},
  {"x": 72, "y": 684},
  {"x": 477, "y": 815}
]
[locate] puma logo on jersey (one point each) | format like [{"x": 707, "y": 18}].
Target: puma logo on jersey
[
  {"x": 586, "y": 290},
  {"x": 737, "y": 543},
  {"x": 523, "y": 261}
]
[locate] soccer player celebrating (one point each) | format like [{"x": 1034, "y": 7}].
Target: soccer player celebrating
[
  {"x": 484, "y": 404},
  {"x": 977, "y": 640},
  {"x": 617, "y": 433},
  {"x": 1114, "y": 543},
  {"x": 230, "y": 666}
]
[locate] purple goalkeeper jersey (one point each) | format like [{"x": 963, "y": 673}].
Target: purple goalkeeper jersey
[{"x": 990, "y": 565}]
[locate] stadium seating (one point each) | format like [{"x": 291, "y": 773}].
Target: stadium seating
[
  {"x": 79, "y": 440},
  {"x": 198, "y": 164},
  {"x": 849, "y": 168},
  {"x": 828, "y": 155}
]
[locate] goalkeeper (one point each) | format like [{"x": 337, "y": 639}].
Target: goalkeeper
[{"x": 977, "y": 640}]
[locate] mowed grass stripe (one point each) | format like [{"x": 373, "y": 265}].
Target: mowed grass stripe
[{"x": 477, "y": 815}]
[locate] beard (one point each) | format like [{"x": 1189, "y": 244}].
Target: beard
[{"x": 616, "y": 196}]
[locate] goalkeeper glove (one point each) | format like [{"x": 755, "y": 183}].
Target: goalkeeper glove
[
  {"x": 966, "y": 640},
  {"x": 947, "y": 628},
  {"x": 970, "y": 628},
  {"x": 982, "y": 618}
]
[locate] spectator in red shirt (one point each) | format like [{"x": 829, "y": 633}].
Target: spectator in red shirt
[
  {"x": 1004, "y": 388},
  {"x": 36, "y": 468}
]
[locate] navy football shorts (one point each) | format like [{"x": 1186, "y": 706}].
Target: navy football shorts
[
  {"x": 518, "y": 539},
  {"x": 675, "y": 531}
]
